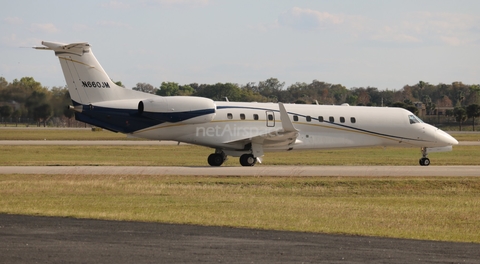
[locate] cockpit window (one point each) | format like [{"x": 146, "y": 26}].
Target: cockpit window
[{"x": 414, "y": 119}]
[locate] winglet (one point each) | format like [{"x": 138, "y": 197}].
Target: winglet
[{"x": 286, "y": 122}]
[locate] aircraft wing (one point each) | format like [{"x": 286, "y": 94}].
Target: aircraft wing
[
  {"x": 276, "y": 137},
  {"x": 285, "y": 136}
]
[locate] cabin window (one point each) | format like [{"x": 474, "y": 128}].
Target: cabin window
[
  {"x": 295, "y": 118},
  {"x": 309, "y": 118},
  {"x": 255, "y": 117},
  {"x": 270, "y": 117},
  {"x": 331, "y": 119},
  {"x": 353, "y": 120},
  {"x": 242, "y": 116},
  {"x": 342, "y": 119},
  {"x": 320, "y": 119},
  {"x": 229, "y": 116}
]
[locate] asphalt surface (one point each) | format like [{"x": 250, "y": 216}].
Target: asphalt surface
[{"x": 35, "y": 239}]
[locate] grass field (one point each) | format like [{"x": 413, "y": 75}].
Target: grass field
[
  {"x": 434, "y": 208},
  {"x": 419, "y": 208},
  {"x": 187, "y": 155}
]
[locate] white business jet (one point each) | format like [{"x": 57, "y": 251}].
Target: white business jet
[{"x": 245, "y": 130}]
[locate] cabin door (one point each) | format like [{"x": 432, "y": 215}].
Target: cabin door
[{"x": 270, "y": 118}]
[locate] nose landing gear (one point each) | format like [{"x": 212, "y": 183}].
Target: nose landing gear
[{"x": 424, "y": 161}]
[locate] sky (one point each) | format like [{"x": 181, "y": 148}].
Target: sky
[{"x": 385, "y": 44}]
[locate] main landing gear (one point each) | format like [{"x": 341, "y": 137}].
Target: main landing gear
[
  {"x": 424, "y": 161},
  {"x": 216, "y": 159}
]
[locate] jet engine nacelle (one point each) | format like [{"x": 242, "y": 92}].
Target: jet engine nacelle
[{"x": 186, "y": 109}]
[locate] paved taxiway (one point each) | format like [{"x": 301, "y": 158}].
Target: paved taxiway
[
  {"x": 258, "y": 170},
  {"x": 36, "y": 239}
]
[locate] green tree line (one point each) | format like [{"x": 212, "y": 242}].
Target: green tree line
[{"x": 27, "y": 98}]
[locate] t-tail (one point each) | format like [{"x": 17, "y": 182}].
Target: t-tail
[{"x": 87, "y": 82}]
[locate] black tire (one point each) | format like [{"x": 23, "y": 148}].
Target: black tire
[
  {"x": 247, "y": 160},
  {"x": 215, "y": 159},
  {"x": 424, "y": 161}
]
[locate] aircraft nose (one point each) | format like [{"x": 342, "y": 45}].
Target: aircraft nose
[{"x": 444, "y": 137}]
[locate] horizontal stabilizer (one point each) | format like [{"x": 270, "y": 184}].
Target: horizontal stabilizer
[{"x": 75, "y": 48}]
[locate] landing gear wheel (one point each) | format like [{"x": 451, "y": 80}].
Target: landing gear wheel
[
  {"x": 216, "y": 159},
  {"x": 424, "y": 161},
  {"x": 247, "y": 160}
]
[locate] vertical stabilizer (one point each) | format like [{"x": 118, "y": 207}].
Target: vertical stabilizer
[{"x": 87, "y": 82}]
